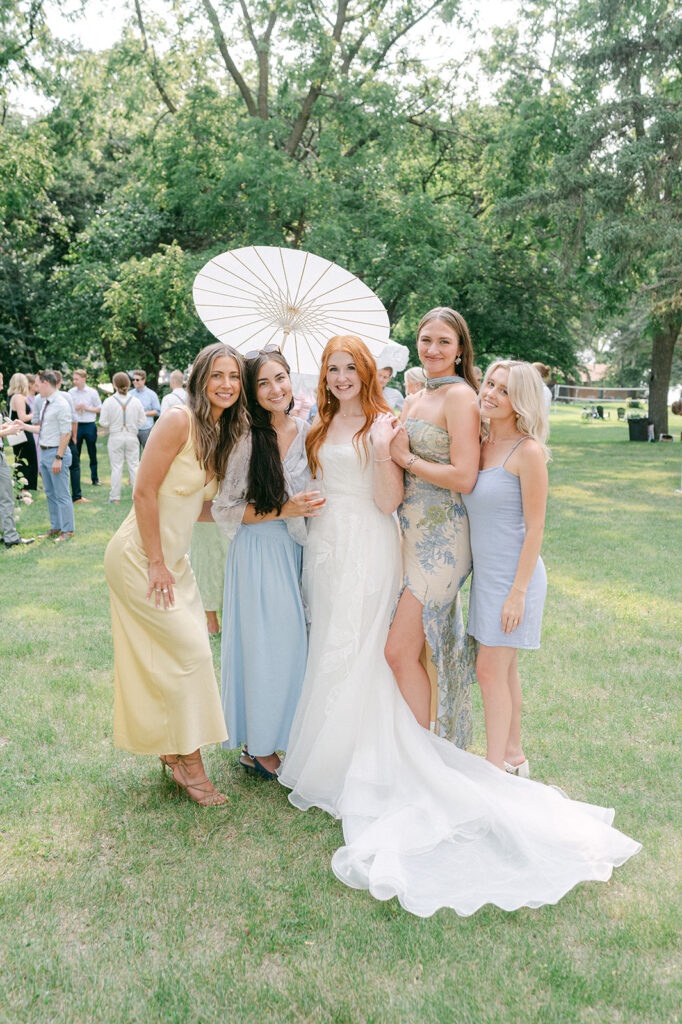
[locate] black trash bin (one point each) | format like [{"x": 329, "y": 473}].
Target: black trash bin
[{"x": 638, "y": 427}]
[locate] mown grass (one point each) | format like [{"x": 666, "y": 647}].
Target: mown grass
[{"x": 123, "y": 902}]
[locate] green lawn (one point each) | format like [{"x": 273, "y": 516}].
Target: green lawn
[{"x": 122, "y": 902}]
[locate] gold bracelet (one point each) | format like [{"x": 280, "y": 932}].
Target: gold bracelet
[{"x": 410, "y": 461}]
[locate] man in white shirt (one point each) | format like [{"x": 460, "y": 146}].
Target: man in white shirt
[
  {"x": 52, "y": 421},
  {"x": 124, "y": 416},
  {"x": 177, "y": 394},
  {"x": 87, "y": 404}
]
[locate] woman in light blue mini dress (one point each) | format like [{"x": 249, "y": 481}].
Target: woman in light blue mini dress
[
  {"x": 506, "y": 512},
  {"x": 262, "y": 504}
]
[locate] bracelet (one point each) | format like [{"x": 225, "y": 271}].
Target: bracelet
[
  {"x": 384, "y": 460},
  {"x": 410, "y": 461}
]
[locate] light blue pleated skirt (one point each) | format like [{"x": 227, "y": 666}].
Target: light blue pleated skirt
[{"x": 264, "y": 642}]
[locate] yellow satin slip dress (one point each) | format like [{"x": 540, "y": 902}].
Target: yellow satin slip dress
[{"x": 166, "y": 699}]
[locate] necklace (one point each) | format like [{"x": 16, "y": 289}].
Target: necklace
[
  {"x": 438, "y": 382},
  {"x": 500, "y": 440}
]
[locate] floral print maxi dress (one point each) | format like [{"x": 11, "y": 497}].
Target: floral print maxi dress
[{"x": 436, "y": 562}]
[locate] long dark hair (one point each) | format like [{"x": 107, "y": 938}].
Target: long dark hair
[
  {"x": 266, "y": 487},
  {"x": 214, "y": 441}
]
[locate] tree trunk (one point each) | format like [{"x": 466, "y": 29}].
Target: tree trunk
[{"x": 665, "y": 339}]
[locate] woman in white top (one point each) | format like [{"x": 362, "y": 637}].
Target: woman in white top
[{"x": 124, "y": 416}]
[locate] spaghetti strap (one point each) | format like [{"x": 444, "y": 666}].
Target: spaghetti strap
[{"x": 520, "y": 440}]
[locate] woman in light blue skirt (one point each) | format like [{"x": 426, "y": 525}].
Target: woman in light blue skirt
[{"x": 262, "y": 503}]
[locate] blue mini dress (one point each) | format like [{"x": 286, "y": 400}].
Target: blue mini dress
[{"x": 497, "y": 533}]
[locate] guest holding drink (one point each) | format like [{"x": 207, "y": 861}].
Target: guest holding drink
[{"x": 262, "y": 504}]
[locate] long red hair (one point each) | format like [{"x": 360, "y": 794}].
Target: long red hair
[{"x": 371, "y": 395}]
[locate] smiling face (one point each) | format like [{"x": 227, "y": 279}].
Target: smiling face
[
  {"x": 224, "y": 385},
  {"x": 384, "y": 375},
  {"x": 343, "y": 379},
  {"x": 494, "y": 398},
  {"x": 438, "y": 346},
  {"x": 273, "y": 387}
]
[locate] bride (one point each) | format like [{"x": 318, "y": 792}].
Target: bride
[{"x": 422, "y": 820}]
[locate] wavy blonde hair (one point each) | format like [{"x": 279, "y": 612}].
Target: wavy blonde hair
[
  {"x": 371, "y": 396},
  {"x": 524, "y": 387},
  {"x": 214, "y": 441},
  {"x": 18, "y": 384}
]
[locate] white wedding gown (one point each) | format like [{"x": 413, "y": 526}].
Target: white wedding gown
[{"x": 422, "y": 820}]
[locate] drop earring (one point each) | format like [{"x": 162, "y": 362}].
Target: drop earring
[{"x": 458, "y": 360}]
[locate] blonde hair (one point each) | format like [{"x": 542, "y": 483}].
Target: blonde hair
[
  {"x": 18, "y": 384},
  {"x": 416, "y": 374},
  {"x": 371, "y": 396},
  {"x": 524, "y": 388}
]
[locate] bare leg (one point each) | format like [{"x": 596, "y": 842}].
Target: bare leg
[
  {"x": 493, "y": 669},
  {"x": 269, "y": 761},
  {"x": 403, "y": 648},
  {"x": 514, "y": 753},
  {"x": 212, "y": 622}
]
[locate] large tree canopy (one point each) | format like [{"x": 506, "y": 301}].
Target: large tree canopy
[{"x": 320, "y": 126}]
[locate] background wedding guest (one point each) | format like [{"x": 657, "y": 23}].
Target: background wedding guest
[
  {"x": 53, "y": 422},
  {"x": 87, "y": 404},
  {"x": 75, "y": 465},
  {"x": 31, "y": 400},
  {"x": 207, "y": 556},
  {"x": 25, "y": 458},
  {"x": 414, "y": 379},
  {"x": 478, "y": 377},
  {"x": 544, "y": 372},
  {"x": 10, "y": 534},
  {"x": 150, "y": 403},
  {"x": 394, "y": 398},
  {"x": 122, "y": 414},
  {"x": 177, "y": 394}
]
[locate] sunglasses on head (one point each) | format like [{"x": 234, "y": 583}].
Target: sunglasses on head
[{"x": 259, "y": 351}]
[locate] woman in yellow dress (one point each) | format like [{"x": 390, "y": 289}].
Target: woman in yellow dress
[{"x": 166, "y": 699}]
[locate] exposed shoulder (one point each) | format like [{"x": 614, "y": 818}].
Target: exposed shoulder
[
  {"x": 528, "y": 457},
  {"x": 175, "y": 423},
  {"x": 460, "y": 396}
]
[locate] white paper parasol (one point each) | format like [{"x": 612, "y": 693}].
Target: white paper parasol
[{"x": 262, "y": 295}]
